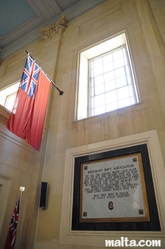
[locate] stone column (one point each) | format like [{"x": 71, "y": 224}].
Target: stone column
[{"x": 155, "y": 46}]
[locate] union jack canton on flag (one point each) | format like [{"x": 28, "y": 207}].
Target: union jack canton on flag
[
  {"x": 11, "y": 237},
  {"x": 30, "y": 77}
]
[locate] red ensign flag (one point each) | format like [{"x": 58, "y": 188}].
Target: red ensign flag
[
  {"x": 11, "y": 236},
  {"x": 28, "y": 114}
]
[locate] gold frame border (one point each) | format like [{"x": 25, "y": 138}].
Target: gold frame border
[{"x": 124, "y": 219}]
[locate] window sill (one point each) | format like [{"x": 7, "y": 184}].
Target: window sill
[
  {"x": 111, "y": 113},
  {"x": 4, "y": 115}
]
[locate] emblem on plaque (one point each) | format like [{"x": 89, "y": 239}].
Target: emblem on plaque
[{"x": 110, "y": 205}]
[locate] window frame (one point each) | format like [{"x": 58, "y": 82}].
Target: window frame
[
  {"x": 7, "y": 103},
  {"x": 82, "y": 98},
  {"x": 8, "y": 91}
]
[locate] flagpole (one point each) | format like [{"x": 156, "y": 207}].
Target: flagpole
[{"x": 60, "y": 92}]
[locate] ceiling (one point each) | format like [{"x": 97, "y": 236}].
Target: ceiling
[{"x": 20, "y": 20}]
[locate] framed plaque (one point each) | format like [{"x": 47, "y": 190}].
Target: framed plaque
[{"x": 113, "y": 189}]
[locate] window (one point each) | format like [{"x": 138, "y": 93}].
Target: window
[
  {"x": 10, "y": 101},
  {"x": 8, "y": 95},
  {"x": 106, "y": 78}
]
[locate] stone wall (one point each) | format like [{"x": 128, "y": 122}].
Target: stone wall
[{"x": 59, "y": 59}]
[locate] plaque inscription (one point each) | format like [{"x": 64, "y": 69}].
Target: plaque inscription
[{"x": 113, "y": 190}]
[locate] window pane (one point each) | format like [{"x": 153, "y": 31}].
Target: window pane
[
  {"x": 98, "y": 71},
  {"x": 9, "y": 106},
  {"x": 111, "y": 107},
  {"x": 110, "y": 85},
  {"x": 127, "y": 70},
  {"x": 99, "y": 89},
  {"x": 10, "y": 99},
  {"x": 100, "y": 110},
  {"x": 131, "y": 91},
  {"x": 99, "y": 100},
  {"x": 109, "y": 76},
  {"x": 92, "y": 112},
  {"x": 119, "y": 72},
  {"x": 133, "y": 101},
  {"x": 108, "y": 67},
  {"x": 111, "y": 96},
  {"x": 123, "y": 92},
  {"x": 121, "y": 82},
  {"x": 129, "y": 79},
  {"x": 124, "y": 103},
  {"x": 98, "y": 80},
  {"x": 119, "y": 63}
]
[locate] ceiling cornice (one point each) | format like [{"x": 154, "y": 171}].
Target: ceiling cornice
[{"x": 71, "y": 13}]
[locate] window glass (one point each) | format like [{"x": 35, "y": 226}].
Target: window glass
[
  {"x": 8, "y": 95},
  {"x": 108, "y": 78},
  {"x": 112, "y": 83},
  {"x": 9, "y": 103}
]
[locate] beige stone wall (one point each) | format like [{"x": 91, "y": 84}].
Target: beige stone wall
[
  {"x": 146, "y": 40},
  {"x": 158, "y": 11},
  {"x": 105, "y": 20}
]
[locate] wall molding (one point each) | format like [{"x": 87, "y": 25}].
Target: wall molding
[{"x": 7, "y": 135}]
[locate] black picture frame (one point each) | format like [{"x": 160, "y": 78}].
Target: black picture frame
[{"x": 152, "y": 225}]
